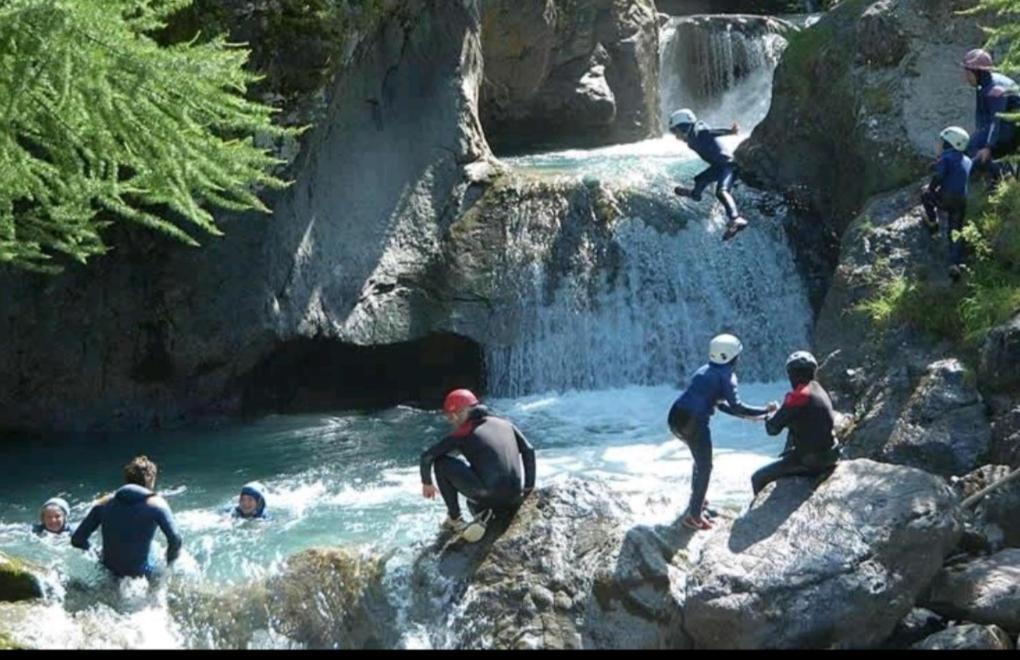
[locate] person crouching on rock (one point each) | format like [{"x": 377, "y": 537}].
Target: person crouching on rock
[
  {"x": 129, "y": 519},
  {"x": 721, "y": 169},
  {"x": 948, "y": 192},
  {"x": 251, "y": 503},
  {"x": 811, "y": 446},
  {"x": 490, "y": 480},
  {"x": 713, "y": 385},
  {"x": 994, "y": 136},
  {"x": 53, "y": 517}
]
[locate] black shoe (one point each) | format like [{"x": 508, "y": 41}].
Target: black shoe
[
  {"x": 932, "y": 226},
  {"x": 955, "y": 273},
  {"x": 680, "y": 191},
  {"x": 735, "y": 227}
]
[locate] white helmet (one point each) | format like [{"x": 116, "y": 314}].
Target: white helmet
[
  {"x": 723, "y": 349},
  {"x": 681, "y": 117},
  {"x": 956, "y": 137}
]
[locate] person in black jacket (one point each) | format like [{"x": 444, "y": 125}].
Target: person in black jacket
[
  {"x": 491, "y": 479},
  {"x": 811, "y": 446}
]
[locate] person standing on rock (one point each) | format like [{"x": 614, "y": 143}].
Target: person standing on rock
[
  {"x": 721, "y": 168},
  {"x": 994, "y": 136},
  {"x": 129, "y": 519},
  {"x": 713, "y": 385},
  {"x": 491, "y": 478},
  {"x": 947, "y": 192},
  {"x": 811, "y": 446}
]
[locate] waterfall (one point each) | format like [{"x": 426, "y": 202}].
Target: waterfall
[{"x": 720, "y": 66}]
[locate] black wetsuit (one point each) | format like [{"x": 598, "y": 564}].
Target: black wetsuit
[
  {"x": 491, "y": 478},
  {"x": 810, "y": 445}
]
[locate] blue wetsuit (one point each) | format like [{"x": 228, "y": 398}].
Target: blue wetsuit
[
  {"x": 129, "y": 519},
  {"x": 995, "y": 94},
  {"x": 948, "y": 192},
  {"x": 713, "y": 386},
  {"x": 704, "y": 141}
]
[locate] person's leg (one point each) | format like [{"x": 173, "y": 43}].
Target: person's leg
[
  {"x": 784, "y": 467},
  {"x": 930, "y": 202},
  {"x": 956, "y": 212},
  {"x": 723, "y": 191},
  {"x": 703, "y": 180},
  {"x": 454, "y": 476},
  {"x": 700, "y": 443}
]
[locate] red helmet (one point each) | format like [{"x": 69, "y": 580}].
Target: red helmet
[
  {"x": 457, "y": 400},
  {"x": 978, "y": 60}
]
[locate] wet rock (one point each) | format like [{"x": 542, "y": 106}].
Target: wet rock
[
  {"x": 1000, "y": 357},
  {"x": 967, "y": 636},
  {"x": 837, "y": 566},
  {"x": 569, "y": 74},
  {"x": 984, "y": 591},
  {"x": 18, "y": 580},
  {"x": 566, "y": 573},
  {"x": 996, "y": 517}
]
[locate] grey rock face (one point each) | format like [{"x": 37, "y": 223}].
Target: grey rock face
[
  {"x": 967, "y": 636},
  {"x": 996, "y": 517},
  {"x": 834, "y": 568},
  {"x": 569, "y": 74},
  {"x": 984, "y": 591},
  {"x": 1000, "y": 356}
]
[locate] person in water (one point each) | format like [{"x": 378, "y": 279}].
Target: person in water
[
  {"x": 994, "y": 136},
  {"x": 811, "y": 446},
  {"x": 713, "y": 385},
  {"x": 53, "y": 517},
  {"x": 721, "y": 168},
  {"x": 948, "y": 192},
  {"x": 129, "y": 518},
  {"x": 491, "y": 478},
  {"x": 252, "y": 502}
]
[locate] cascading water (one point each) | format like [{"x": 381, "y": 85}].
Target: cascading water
[{"x": 620, "y": 330}]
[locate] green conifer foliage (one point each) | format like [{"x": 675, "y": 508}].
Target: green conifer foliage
[{"x": 100, "y": 124}]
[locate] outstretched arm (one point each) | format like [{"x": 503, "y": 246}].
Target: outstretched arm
[
  {"x": 429, "y": 456},
  {"x": 80, "y": 538},
  {"x": 734, "y": 406}
]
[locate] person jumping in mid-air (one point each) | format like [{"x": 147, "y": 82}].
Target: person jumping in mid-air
[{"x": 721, "y": 169}]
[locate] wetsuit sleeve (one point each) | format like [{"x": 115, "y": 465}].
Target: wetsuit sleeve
[
  {"x": 165, "y": 520},
  {"x": 719, "y": 132},
  {"x": 80, "y": 538},
  {"x": 997, "y": 102},
  {"x": 733, "y": 405},
  {"x": 528, "y": 455},
  {"x": 793, "y": 405},
  {"x": 430, "y": 455},
  {"x": 939, "y": 175}
]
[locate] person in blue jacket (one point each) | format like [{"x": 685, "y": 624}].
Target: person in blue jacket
[
  {"x": 721, "y": 168},
  {"x": 53, "y": 517},
  {"x": 252, "y": 502},
  {"x": 713, "y": 386},
  {"x": 994, "y": 136},
  {"x": 129, "y": 519},
  {"x": 947, "y": 192}
]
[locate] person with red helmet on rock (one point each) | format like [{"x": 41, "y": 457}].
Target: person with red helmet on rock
[
  {"x": 994, "y": 136},
  {"x": 491, "y": 478}
]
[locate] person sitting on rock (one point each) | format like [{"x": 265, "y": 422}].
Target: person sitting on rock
[
  {"x": 948, "y": 192},
  {"x": 490, "y": 480},
  {"x": 811, "y": 446},
  {"x": 994, "y": 136},
  {"x": 713, "y": 385},
  {"x": 721, "y": 169},
  {"x": 251, "y": 503},
  {"x": 53, "y": 517},
  {"x": 129, "y": 519}
]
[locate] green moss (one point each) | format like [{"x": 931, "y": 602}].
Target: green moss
[
  {"x": 17, "y": 582},
  {"x": 8, "y": 644}
]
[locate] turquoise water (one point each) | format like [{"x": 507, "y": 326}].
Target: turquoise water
[{"x": 349, "y": 479}]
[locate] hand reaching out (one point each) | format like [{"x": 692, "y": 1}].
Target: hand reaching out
[
  {"x": 735, "y": 128},
  {"x": 428, "y": 491}
]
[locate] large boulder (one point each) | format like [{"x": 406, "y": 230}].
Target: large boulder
[
  {"x": 985, "y": 590},
  {"x": 566, "y": 573},
  {"x": 913, "y": 401},
  {"x": 918, "y": 624},
  {"x": 1000, "y": 357},
  {"x": 1006, "y": 438},
  {"x": 834, "y": 567},
  {"x": 561, "y": 74},
  {"x": 859, "y": 100},
  {"x": 18, "y": 580},
  {"x": 967, "y": 636}
]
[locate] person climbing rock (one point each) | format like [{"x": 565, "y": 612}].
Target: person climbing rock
[
  {"x": 811, "y": 446},
  {"x": 53, "y": 517},
  {"x": 713, "y": 385},
  {"x": 721, "y": 168},
  {"x": 491, "y": 478},
  {"x": 947, "y": 192},
  {"x": 129, "y": 518},
  {"x": 994, "y": 136},
  {"x": 251, "y": 503}
]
